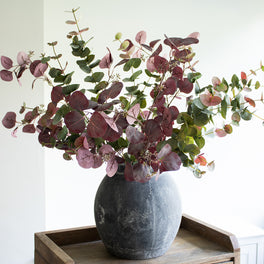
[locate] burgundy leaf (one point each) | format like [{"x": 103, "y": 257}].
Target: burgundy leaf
[
  {"x": 97, "y": 126},
  {"x": 171, "y": 162},
  {"x": 111, "y": 167},
  {"x": 45, "y": 138},
  {"x": 112, "y": 92},
  {"x": 166, "y": 150},
  {"x": 185, "y": 85},
  {"x": 74, "y": 122},
  {"x": 153, "y": 43},
  {"x": 78, "y": 101},
  {"x": 134, "y": 136},
  {"x": 29, "y": 117},
  {"x": 152, "y": 130},
  {"x": 178, "y": 42},
  {"x": 6, "y": 62},
  {"x": 37, "y": 68},
  {"x": 177, "y": 72},
  {"x": 20, "y": 72},
  {"x": 136, "y": 149},
  {"x": 22, "y": 58},
  {"x": 170, "y": 86},
  {"x": 85, "y": 158},
  {"x": 161, "y": 64},
  {"x": 6, "y": 75},
  {"x": 133, "y": 113},
  {"x": 166, "y": 123},
  {"x": 157, "y": 51},
  {"x": 174, "y": 112},
  {"x": 106, "y": 61},
  {"x": 121, "y": 121},
  {"x": 92, "y": 104},
  {"x": 141, "y": 172},
  {"x": 103, "y": 107},
  {"x": 122, "y": 62},
  {"x": 9, "y": 120},
  {"x": 141, "y": 37},
  {"x": 146, "y": 47},
  {"x": 30, "y": 128},
  {"x": 159, "y": 102},
  {"x": 56, "y": 94},
  {"x": 51, "y": 109},
  {"x": 111, "y": 135},
  {"x": 129, "y": 172}
]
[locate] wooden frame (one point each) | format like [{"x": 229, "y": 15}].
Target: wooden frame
[{"x": 196, "y": 243}]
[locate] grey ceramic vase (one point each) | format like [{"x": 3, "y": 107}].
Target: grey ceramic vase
[{"x": 137, "y": 220}]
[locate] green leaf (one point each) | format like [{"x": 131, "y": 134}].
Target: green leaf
[
  {"x": 134, "y": 62},
  {"x": 45, "y": 59},
  {"x": 246, "y": 115},
  {"x": 193, "y": 76},
  {"x": 199, "y": 118},
  {"x": 223, "y": 108},
  {"x": 59, "y": 79},
  {"x": 143, "y": 103},
  {"x": 192, "y": 149},
  {"x": 200, "y": 141},
  {"x": 100, "y": 86},
  {"x": 235, "y": 81},
  {"x": 67, "y": 79},
  {"x": 257, "y": 85},
  {"x": 67, "y": 90},
  {"x": 62, "y": 133},
  {"x": 122, "y": 143},
  {"x": 53, "y": 72},
  {"x": 160, "y": 145},
  {"x": 173, "y": 143},
  {"x": 93, "y": 65},
  {"x": 89, "y": 59},
  {"x": 149, "y": 74},
  {"x": 85, "y": 68},
  {"x": 132, "y": 89},
  {"x": 96, "y": 77},
  {"x": 124, "y": 102},
  {"x": 85, "y": 52}
]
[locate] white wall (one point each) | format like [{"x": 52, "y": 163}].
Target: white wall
[{"x": 22, "y": 208}]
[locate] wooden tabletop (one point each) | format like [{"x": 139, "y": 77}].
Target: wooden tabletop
[{"x": 196, "y": 243}]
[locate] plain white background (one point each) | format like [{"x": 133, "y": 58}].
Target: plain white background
[{"x": 231, "y": 40}]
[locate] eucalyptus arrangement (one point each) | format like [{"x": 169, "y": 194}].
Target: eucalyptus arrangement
[{"x": 131, "y": 111}]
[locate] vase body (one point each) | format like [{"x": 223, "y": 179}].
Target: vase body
[{"x": 137, "y": 220}]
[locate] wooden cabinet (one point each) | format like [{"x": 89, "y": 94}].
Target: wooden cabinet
[{"x": 196, "y": 243}]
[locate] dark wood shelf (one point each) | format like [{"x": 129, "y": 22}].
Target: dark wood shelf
[{"x": 196, "y": 243}]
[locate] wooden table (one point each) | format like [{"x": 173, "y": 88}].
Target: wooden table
[{"x": 196, "y": 243}]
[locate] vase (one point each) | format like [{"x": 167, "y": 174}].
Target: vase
[{"x": 137, "y": 220}]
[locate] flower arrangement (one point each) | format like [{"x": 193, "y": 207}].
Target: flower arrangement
[{"x": 137, "y": 119}]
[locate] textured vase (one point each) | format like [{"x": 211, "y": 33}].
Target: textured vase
[{"x": 137, "y": 220}]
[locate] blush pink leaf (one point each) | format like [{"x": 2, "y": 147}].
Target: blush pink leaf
[
  {"x": 141, "y": 37},
  {"x": 132, "y": 114},
  {"x": 106, "y": 61},
  {"x": 85, "y": 158}
]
